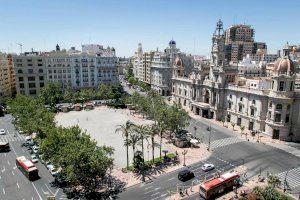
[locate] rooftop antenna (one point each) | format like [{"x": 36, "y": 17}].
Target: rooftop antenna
[{"x": 20, "y": 45}]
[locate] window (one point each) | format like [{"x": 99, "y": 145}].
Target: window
[
  {"x": 288, "y": 107},
  {"x": 41, "y": 70},
  {"x": 239, "y": 121},
  {"x": 41, "y": 78},
  {"x": 252, "y": 112},
  {"x": 29, "y": 60},
  {"x": 269, "y": 114},
  {"x": 230, "y": 96},
  {"x": 20, "y": 71},
  {"x": 31, "y": 85},
  {"x": 30, "y": 71},
  {"x": 31, "y": 78},
  {"x": 287, "y": 118},
  {"x": 21, "y": 85},
  {"x": 241, "y": 99},
  {"x": 22, "y": 92},
  {"x": 253, "y": 102},
  {"x": 291, "y": 87},
  {"x": 270, "y": 104},
  {"x": 229, "y": 105},
  {"x": 281, "y": 85},
  {"x": 240, "y": 108},
  {"x": 40, "y": 65},
  {"x": 278, "y": 106},
  {"x": 41, "y": 84},
  {"x": 277, "y": 117},
  {"x": 21, "y": 78},
  {"x": 32, "y": 91},
  {"x": 49, "y": 71}
]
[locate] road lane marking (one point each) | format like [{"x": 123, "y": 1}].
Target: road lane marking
[
  {"x": 5, "y": 154},
  {"x": 49, "y": 189},
  {"x": 148, "y": 187},
  {"x": 163, "y": 195},
  {"x": 149, "y": 192},
  {"x": 56, "y": 192},
  {"x": 3, "y": 191},
  {"x": 155, "y": 194},
  {"x": 8, "y": 162},
  {"x": 171, "y": 179},
  {"x": 155, "y": 198},
  {"x": 157, "y": 188},
  {"x": 12, "y": 173},
  {"x": 3, "y": 170},
  {"x": 36, "y": 191},
  {"x": 18, "y": 185},
  {"x": 13, "y": 150}
]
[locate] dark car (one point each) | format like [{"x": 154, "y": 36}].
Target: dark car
[{"x": 185, "y": 175}]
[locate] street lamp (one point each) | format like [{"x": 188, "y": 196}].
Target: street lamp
[
  {"x": 184, "y": 153},
  {"x": 209, "y": 129}
]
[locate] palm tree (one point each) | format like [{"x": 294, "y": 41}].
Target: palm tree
[
  {"x": 143, "y": 131},
  {"x": 125, "y": 130},
  {"x": 133, "y": 139},
  {"x": 152, "y": 134}
]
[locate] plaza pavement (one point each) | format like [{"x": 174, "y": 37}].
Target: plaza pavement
[{"x": 101, "y": 124}]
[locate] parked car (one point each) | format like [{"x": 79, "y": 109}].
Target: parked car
[
  {"x": 34, "y": 159},
  {"x": 35, "y": 149},
  {"x": 185, "y": 175},
  {"x": 53, "y": 171},
  {"x": 207, "y": 167},
  {"x": 2, "y": 132}
]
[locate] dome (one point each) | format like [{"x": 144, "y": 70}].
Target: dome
[
  {"x": 172, "y": 42},
  {"x": 284, "y": 65},
  {"x": 113, "y": 49}
]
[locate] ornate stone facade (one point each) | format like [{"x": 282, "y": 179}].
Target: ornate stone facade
[{"x": 267, "y": 104}]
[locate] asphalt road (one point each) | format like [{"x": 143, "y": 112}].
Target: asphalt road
[
  {"x": 13, "y": 184},
  {"x": 228, "y": 151}
]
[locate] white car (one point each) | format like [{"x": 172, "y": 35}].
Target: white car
[
  {"x": 34, "y": 159},
  {"x": 52, "y": 169},
  {"x": 207, "y": 167},
  {"x": 35, "y": 149},
  {"x": 2, "y": 132}
]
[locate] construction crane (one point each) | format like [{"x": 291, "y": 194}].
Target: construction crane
[{"x": 20, "y": 45}]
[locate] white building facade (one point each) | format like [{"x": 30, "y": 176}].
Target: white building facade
[{"x": 269, "y": 105}]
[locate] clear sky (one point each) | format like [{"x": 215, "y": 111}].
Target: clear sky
[{"x": 41, "y": 24}]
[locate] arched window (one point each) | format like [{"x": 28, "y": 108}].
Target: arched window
[
  {"x": 278, "y": 106},
  {"x": 270, "y": 104},
  {"x": 253, "y": 101},
  {"x": 20, "y": 71},
  {"x": 241, "y": 99}
]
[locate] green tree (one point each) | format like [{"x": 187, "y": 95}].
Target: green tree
[
  {"x": 68, "y": 95},
  {"x": 125, "y": 130},
  {"x": 274, "y": 181},
  {"x": 233, "y": 125},
  {"x": 87, "y": 94},
  {"x": 152, "y": 134},
  {"x": 82, "y": 162},
  {"x": 242, "y": 129},
  {"x": 143, "y": 131},
  {"x": 133, "y": 140},
  {"x": 51, "y": 94}
]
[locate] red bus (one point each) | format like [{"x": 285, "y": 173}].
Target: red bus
[
  {"x": 218, "y": 185},
  {"x": 27, "y": 168}
]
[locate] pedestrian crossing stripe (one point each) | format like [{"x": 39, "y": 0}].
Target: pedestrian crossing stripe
[
  {"x": 292, "y": 178},
  {"x": 10, "y": 138},
  {"x": 224, "y": 142}
]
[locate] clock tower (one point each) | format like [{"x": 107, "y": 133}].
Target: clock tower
[{"x": 218, "y": 46}]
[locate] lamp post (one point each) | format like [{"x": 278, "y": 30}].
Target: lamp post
[
  {"x": 209, "y": 129},
  {"x": 184, "y": 153},
  {"x": 195, "y": 129}
]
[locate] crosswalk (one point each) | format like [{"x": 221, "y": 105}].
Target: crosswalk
[
  {"x": 292, "y": 178},
  {"x": 11, "y": 137},
  {"x": 224, "y": 142}
]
